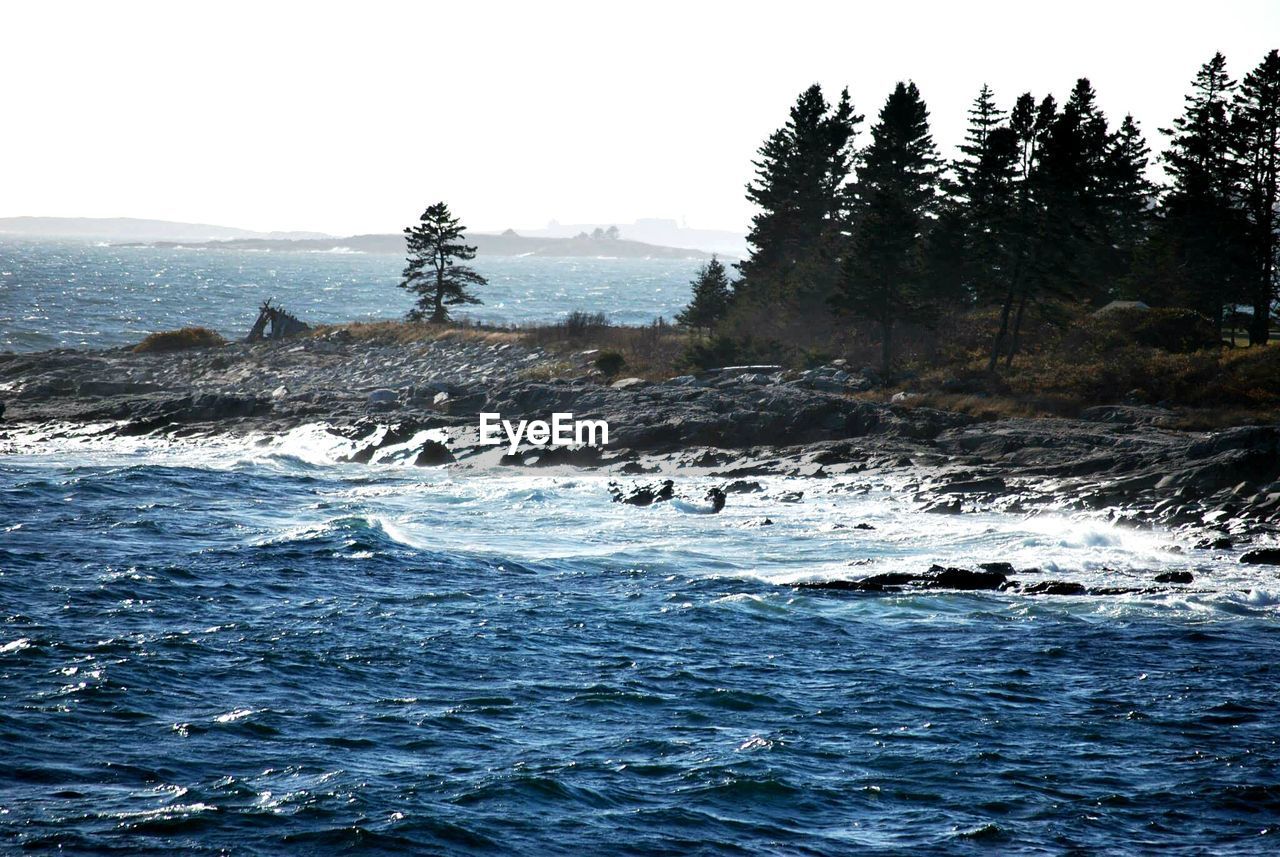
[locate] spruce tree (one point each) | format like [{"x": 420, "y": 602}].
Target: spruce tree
[
  {"x": 1030, "y": 125},
  {"x": 431, "y": 271},
  {"x": 1127, "y": 199},
  {"x": 711, "y": 295},
  {"x": 974, "y": 226},
  {"x": 984, "y": 117},
  {"x": 1257, "y": 138},
  {"x": 898, "y": 190},
  {"x": 799, "y": 187},
  {"x": 1201, "y": 222}
]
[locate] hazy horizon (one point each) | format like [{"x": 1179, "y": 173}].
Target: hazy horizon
[{"x": 300, "y": 117}]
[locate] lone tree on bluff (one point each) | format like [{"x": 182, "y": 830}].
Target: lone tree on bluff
[{"x": 435, "y": 246}]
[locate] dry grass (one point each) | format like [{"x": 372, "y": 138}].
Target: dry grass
[
  {"x": 547, "y": 371},
  {"x": 990, "y": 407},
  {"x": 415, "y": 332},
  {"x": 179, "y": 340},
  {"x": 652, "y": 351}
]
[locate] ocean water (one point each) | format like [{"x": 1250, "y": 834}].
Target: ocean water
[
  {"x": 75, "y": 295},
  {"x": 247, "y": 647}
]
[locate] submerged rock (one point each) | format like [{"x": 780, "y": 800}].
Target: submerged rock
[
  {"x": 936, "y": 577},
  {"x": 645, "y": 495},
  {"x": 1174, "y": 577},
  {"x": 963, "y": 578},
  {"x": 1005, "y": 568},
  {"x": 1262, "y": 556},
  {"x": 1055, "y": 587}
]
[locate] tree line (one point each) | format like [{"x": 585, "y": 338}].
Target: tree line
[{"x": 1046, "y": 202}]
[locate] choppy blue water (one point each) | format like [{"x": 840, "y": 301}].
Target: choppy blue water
[
  {"x": 253, "y": 649},
  {"x": 72, "y": 295}
]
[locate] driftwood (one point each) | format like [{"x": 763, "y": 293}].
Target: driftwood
[{"x": 282, "y": 324}]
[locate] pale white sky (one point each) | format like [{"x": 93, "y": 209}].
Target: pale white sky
[{"x": 351, "y": 117}]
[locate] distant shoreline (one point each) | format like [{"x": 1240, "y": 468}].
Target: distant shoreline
[{"x": 506, "y": 244}]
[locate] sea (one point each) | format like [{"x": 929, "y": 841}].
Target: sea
[
  {"x": 245, "y": 646},
  {"x": 87, "y": 295}
]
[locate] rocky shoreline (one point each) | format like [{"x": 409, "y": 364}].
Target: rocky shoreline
[{"x": 421, "y": 401}]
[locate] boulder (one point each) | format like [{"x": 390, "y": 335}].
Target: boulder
[
  {"x": 989, "y": 485},
  {"x": 1262, "y": 556},
  {"x": 628, "y": 383},
  {"x": 432, "y": 453}
]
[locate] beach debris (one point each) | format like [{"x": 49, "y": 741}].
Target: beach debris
[{"x": 282, "y": 324}]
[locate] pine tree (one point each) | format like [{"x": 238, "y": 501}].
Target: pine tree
[
  {"x": 1069, "y": 185},
  {"x": 898, "y": 191},
  {"x": 984, "y": 117},
  {"x": 1031, "y": 126},
  {"x": 1127, "y": 199},
  {"x": 1200, "y": 218},
  {"x": 1257, "y": 124},
  {"x": 711, "y": 295},
  {"x": 976, "y": 232},
  {"x": 431, "y": 270},
  {"x": 799, "y": 187}
]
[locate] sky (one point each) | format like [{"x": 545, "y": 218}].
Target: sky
[{"x": 352, "y": 117}]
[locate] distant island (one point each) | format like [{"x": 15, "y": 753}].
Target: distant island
[
  {"x": 131, "y": 232},
  {"x": 132, "y": 229},
  {"x": 507, "y": 243}
]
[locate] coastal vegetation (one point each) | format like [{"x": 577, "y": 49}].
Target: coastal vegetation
[
  {"x": 180, "y": 340},
  {"x": 1042, "y": 268},
  {"x": 1048, "y": 214}
]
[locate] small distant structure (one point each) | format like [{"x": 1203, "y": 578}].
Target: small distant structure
[
  {"x": 1116, "y": 305},
  {"x": 282, "y": 324}
]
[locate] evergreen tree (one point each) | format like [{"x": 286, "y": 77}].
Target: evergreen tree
[
  {"x": 431, "y": 271},
  {"x": 1025, "y": 232},
  {"x": 711, "y": 295},
  {"x": 1257, "y": 122},
  {"x": 984, "y": 117},
  {"x": 947, "y": 278},
  {"x": 981, "y": 194},
  {"x": 1200, "y": 220},
  {"x": 799, "y": 187},
  {"x": 992, "y": 214},
  {"x": 1127, "y": 199},
  {"x": 898, "y": 190}
]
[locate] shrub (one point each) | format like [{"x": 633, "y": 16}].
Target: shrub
[
  {"x": 723, "y": 350},
  {"x": 578, "y": 323},
  {"x": 610, "y": 363},
  {"x": 180, "y": 340},
  {"x": 1173, "y": 329}
]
